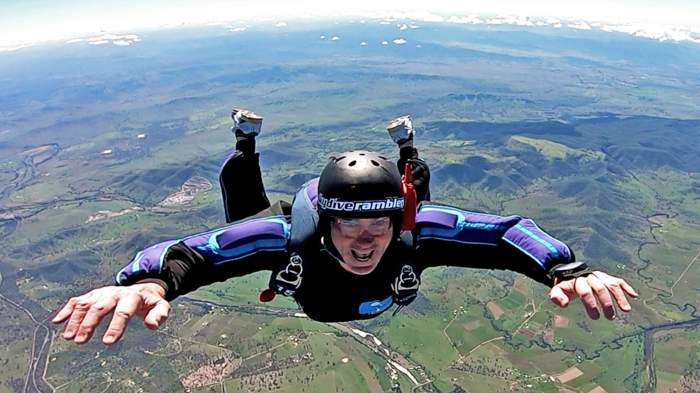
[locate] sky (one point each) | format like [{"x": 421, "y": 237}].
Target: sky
[{"x": 25, "y": 22}]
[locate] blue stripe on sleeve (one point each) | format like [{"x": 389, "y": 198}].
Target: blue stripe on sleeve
[
  {"x": 524, "y": 251},
  {"x": 257, "y": 243},
  {"x": 533, "y": 236}
]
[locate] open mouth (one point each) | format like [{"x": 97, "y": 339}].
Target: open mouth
[{"x": 362, "y": 257}]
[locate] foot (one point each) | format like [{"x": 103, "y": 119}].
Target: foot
[
  {"x": 245, "y": 123},
  {"x": 401, "y": 130}
]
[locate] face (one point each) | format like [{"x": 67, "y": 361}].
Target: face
[{"x": 361, "y": 242}]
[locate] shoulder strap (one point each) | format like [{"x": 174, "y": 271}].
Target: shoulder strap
[
  {"x": 304, "y": 215},
  {"x": 286, "y": 281},
  {"x": 405, "y": 285}
]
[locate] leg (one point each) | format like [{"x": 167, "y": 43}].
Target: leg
[
  {"x": 420, "y": 174},
  {"x": 240, "y": 178},
  {"x": 401, "y": 131}
]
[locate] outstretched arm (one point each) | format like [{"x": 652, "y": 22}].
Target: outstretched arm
[
  {"x": 181, "y": 266},
  {"x": 166, "y": 270},
  {"x": 449, "y": 236}
]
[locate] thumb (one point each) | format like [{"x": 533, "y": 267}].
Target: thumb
[
  {"x": 157, "y": 315},
  {"x": 558, "y": 296}
]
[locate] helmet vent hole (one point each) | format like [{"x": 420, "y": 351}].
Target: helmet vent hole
[
  {"x": 352, "y": 163},
  {"x": 362, "y": 154},
  {"x": 339, "y": 159},
  {"x": 382, "y": 157},
  {"x": 375, "y": 163}
]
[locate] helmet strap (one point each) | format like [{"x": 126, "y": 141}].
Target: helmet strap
[{"x": 329, "y": 247}]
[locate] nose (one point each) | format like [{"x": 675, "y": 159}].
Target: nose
[{"x": 365, "y": 237}]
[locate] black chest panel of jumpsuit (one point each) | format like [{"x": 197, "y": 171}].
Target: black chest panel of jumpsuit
[{"x": 328, "y": 293}]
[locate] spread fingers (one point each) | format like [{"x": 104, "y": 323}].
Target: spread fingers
[
  {"x": 586, "y": 293},
  {"x": 93, "y": 317},
  {"x": 126, "y": 308}
]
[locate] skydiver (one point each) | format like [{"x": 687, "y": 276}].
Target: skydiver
[{"x": 339, "y": 250}]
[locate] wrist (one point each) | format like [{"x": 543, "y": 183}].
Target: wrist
[
  {"x": 152, "y": 286},
  {"x": 566, "y": 271}
]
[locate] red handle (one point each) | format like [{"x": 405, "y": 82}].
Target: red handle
[
  {"x": 267, "y": 295},
  {"x": 409, "y": 199}
]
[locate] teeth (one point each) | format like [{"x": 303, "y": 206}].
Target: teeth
[{"x": 362, "y": 257}]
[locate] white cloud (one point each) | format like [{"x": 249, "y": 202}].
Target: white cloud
[
  {"x": 645, "y": 30},
  {"x": 385, "y": 42},
  {"x": 281, "y": 24},
  {"x": 63, "y": 21},
  {"x": 115, "y": 39},
  {"x": 238, "y": 29},
  {"x": 14, "y": 48},
  {"x": 399, "y": 41},
  {"x": 510, "y": 20},
  {"x": 655, "y": 32},
  {"x": 469, "y": 19},
  {"x": 106, "y": 37},
  {"x": 363, "y": 43},
  {"x": 580, "y": 26},
  {"x": 335, "y": 38},
  {"x": 417, "y": 15}
]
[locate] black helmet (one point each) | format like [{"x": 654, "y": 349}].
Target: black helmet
[{"x": 360, "y": 184}]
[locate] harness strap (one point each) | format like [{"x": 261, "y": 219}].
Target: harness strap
[{"x": 304, "y": 223}]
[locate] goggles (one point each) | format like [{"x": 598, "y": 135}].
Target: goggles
[{"x": 353, "y": 227}]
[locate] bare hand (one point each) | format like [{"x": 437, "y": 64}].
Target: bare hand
[
  {"x": 596, "y": 289},
  {"x": 85, "y": 312}
]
